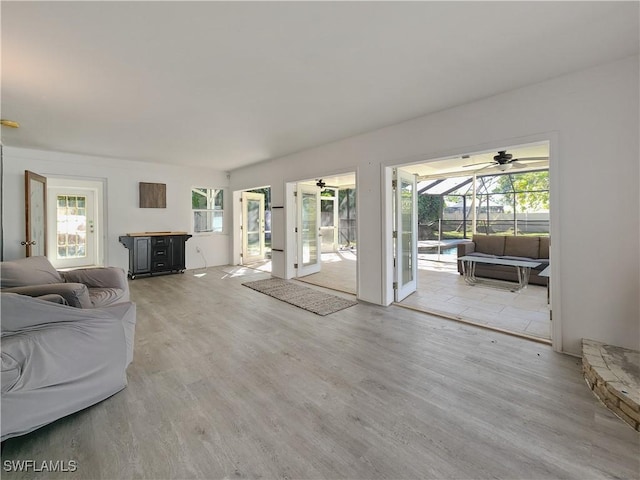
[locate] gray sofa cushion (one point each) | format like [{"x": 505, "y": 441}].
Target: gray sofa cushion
[
  {"x": 75, "y": 294},
  {"x": 544, "y": 247},
  {"x": 491, "y": 244},
  {"x": 528, "y": 247},
  {"x": 28, "y": 271},
  {"x": 100, "y": 277},
  {"x": 83, "y": 288},
  {"x": 107, "y": 296},
  {"x": 107, "y": 285},
  {"x": 54, "y": 298}
]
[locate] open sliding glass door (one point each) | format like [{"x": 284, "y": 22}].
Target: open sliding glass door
[
  {"x": 406, "y": 238},
  {"x": 252, "y": 227},
  {"x": 308, "y": 230}
]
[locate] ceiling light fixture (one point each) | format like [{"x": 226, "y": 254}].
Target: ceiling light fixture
[
  {"x": 504, "y": 167},
  {"x": 9, "y": 123}
]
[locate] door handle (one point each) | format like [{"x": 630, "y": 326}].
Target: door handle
[{"x": 32, "y": 242}]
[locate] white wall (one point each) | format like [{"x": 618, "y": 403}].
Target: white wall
[
  {"x": 122, "y": 213},
  {"x": 592, "y": 120}
]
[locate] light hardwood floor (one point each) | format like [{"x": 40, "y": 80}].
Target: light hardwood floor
[{"x": 230, "y": 383}]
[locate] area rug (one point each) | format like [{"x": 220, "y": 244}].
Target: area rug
[{"x": 302, "y": 297}]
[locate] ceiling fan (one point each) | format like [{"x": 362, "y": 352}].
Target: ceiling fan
[
  {"x": 321, "y": 184},
  {"x": 504, "y": 161}
]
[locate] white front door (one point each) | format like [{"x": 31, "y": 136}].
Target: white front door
[
  {"x": 252, "y": 227},
  {"x": 72, "y": 227},
  {"x": 406, "y": 239},
  {"x": 308, "y": 229}
]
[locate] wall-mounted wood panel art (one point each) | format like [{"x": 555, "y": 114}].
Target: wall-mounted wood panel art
[{"x": 153, "y": 195}]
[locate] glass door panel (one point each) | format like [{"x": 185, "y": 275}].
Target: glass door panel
[
  {"x": 406, "y": 237},
  {"x": 253, "y": 230},
  {"x": 73, "y": 243},
  {"x": 329, "y": 220},
  {"x": 308, "y": 230}
]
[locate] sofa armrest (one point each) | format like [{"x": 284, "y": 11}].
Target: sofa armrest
[
  {"x": 465, "y": 248},
  {"x": 101, "y": 277},
  {"x": 76, "y": 294},
  {"x": 20, "y": 312},
  {"x": 53, "y": 298}
]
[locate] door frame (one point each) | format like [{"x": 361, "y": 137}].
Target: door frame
[
  {"x": 555, "y": 201},
  {"x": 284, "y": 223}
]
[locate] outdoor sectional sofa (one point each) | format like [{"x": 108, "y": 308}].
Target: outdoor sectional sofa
[{"x": 510, "y": 247}]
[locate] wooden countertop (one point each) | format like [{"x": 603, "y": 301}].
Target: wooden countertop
[{"x": 154, "y": 234}]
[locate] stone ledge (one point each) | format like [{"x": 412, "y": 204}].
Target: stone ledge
[{"x": 613, "y": 374}]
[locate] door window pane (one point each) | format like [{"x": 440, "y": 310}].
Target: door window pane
[
  {"x": 309, "y": 229},
  {"x": 407, "y": 230},
  {"x": 71, "y": 221},
  {"x": 253, "y": 227}
]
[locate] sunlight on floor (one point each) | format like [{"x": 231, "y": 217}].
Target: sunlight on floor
[{"x": 441, "y": 290}]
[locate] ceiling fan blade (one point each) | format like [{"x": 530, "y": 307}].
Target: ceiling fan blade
[
  {"x": 476, "y": 164},
  {"x": 491, "y": 165},
  {"x": 531, "y": 164},
  {"x": 530, "y": 159}
]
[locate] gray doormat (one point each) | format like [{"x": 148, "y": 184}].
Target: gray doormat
[{"x": 302, "y": 297}]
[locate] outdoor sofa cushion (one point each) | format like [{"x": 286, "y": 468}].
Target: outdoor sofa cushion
[{"x": 528, "y": 247}]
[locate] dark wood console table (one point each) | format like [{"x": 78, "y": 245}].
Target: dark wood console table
[{"x": 155, "y": 252}]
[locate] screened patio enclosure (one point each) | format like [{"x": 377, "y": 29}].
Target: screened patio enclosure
[
  {"x": 338, "y": 218},
  {"x": 451, "y": 210}
]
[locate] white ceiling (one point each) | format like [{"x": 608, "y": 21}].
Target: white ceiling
[
  {"x": 226, "y": 84},
  {"x": 483, "y": 162}
]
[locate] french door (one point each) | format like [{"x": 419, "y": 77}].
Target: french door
[
  {"x": 35, "y": 204},
  {"x": 72, "y": 243},
  {"x": 252, "y": 227},
  {"x": 308, "y": 229},
  {"x": 405, "y": 234}
]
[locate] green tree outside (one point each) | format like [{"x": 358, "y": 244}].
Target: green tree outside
[{"x": 531, "y": 190}]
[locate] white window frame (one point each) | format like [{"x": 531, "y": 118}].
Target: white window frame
[{"x": 216, "y": 211}]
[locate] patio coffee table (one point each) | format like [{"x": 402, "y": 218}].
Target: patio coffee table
[{"x": 523, "y": 269}]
